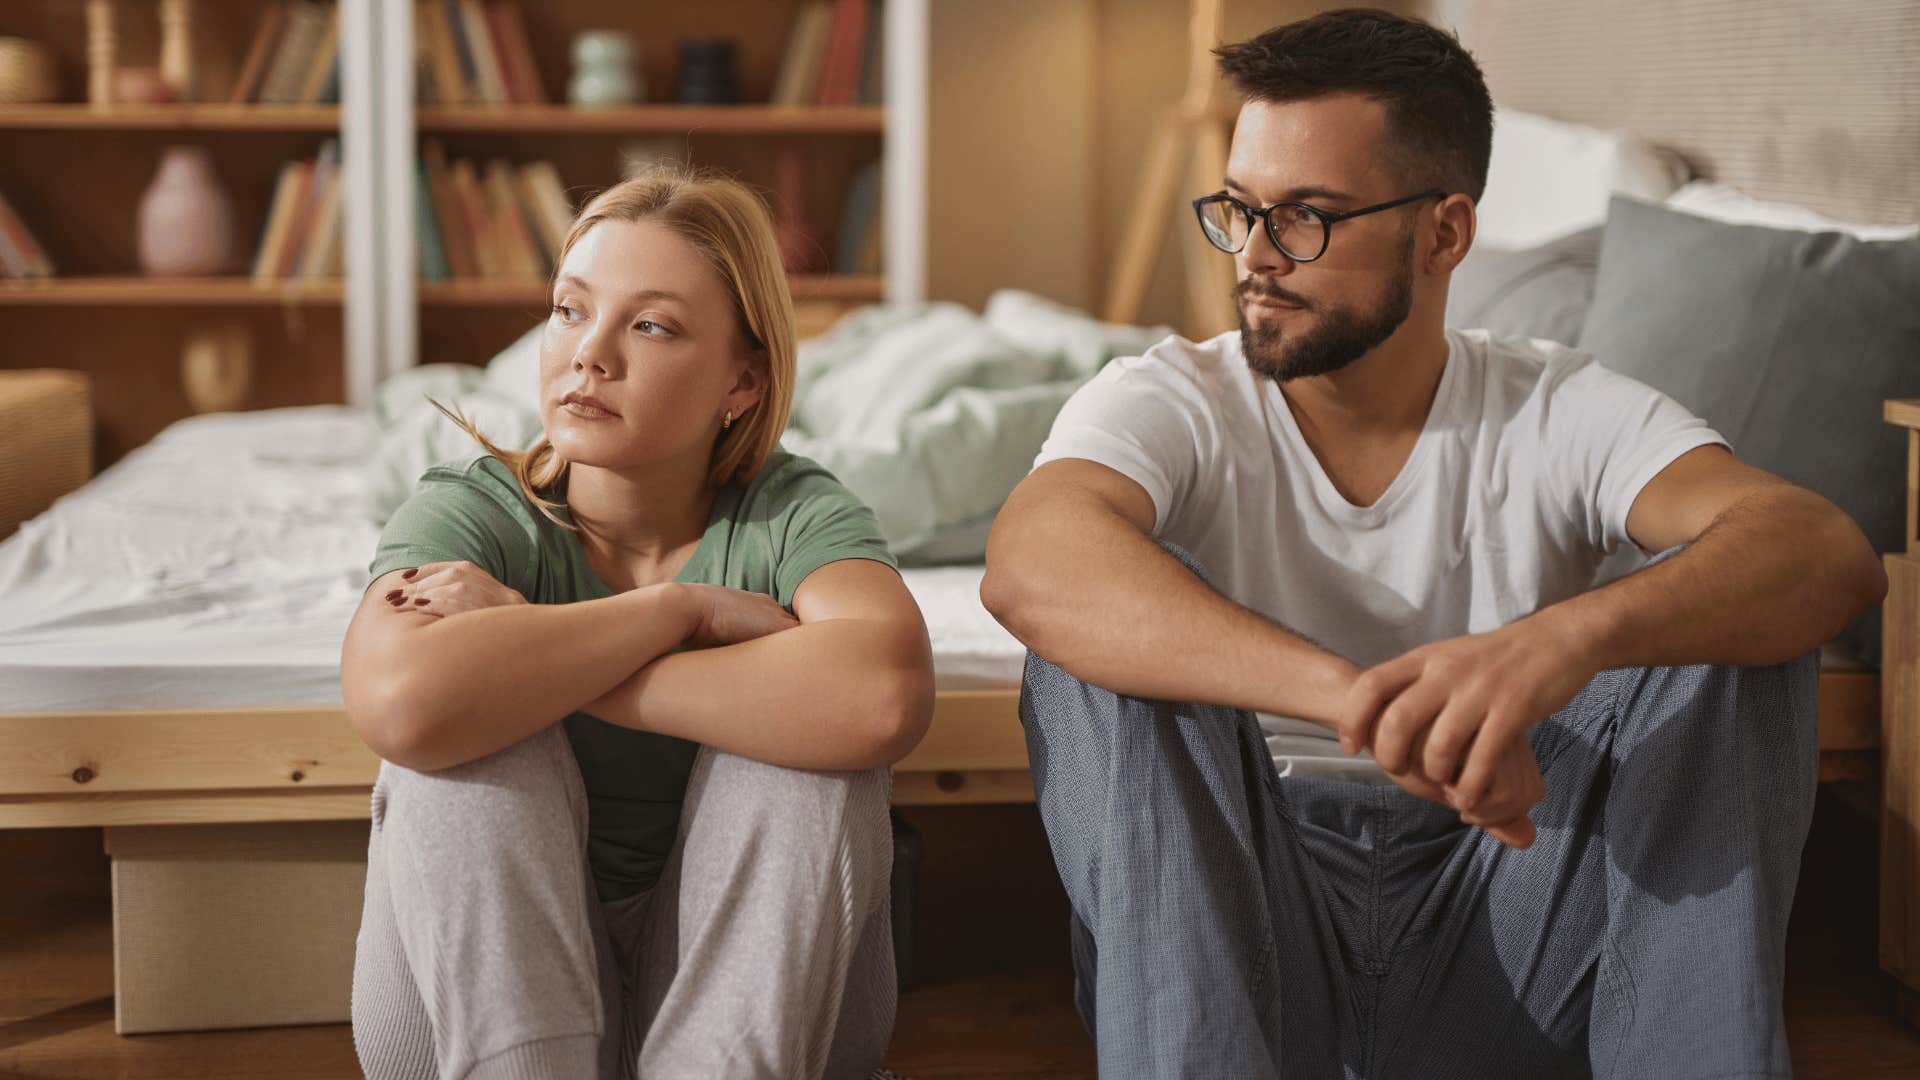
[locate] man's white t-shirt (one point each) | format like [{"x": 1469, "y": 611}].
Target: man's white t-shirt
[{"x": 1517, "y": 488}]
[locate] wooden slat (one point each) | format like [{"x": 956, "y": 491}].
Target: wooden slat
[
  {"x": 180, "y": 750},
  {"x": 1903, "y": 411},
  {"x": 1900, "y": 764},
  {"x": 1849, "y": 710},
  {"x": 184, "y": 808},
  {"x": 972, "y": 730},
  {"x": 955, "y": 788}
]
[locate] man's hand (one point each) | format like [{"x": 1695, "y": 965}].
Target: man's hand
[{"x": 1448, "y": 721}]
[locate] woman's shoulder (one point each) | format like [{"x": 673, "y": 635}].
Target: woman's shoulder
[
  {"x": 786, "y": 478},
  {"x": 483, "y": 477}
]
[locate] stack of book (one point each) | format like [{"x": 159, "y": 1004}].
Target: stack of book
[
  {"x": 496, "y": 221},
  {"x": 833, "y": 55},
  {"x": 470, "y": 53},
  {"x": 294, "y": 58},
  {"x": 21, "y": 255},
  {"x": 302, "y": 240}
]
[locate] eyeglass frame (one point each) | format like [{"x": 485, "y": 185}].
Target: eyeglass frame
[{"x": 1327, "y": 219}]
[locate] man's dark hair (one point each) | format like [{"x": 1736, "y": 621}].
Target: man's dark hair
[{"x": 1439, "y": 115}]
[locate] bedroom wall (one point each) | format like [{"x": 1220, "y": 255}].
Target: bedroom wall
[{"x": 1817, "y": 104}]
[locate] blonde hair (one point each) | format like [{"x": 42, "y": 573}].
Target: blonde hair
[{"x": 728, "y": 223}]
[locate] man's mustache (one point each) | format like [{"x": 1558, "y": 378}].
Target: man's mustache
[{"x": 1254, "y": 287}]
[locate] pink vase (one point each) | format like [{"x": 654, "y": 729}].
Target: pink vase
[{"x": 186, "y": 217}]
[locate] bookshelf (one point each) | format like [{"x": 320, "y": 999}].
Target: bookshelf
[
  {"x": 75, "y": 172},
  {"x": 472, "y": 316}
]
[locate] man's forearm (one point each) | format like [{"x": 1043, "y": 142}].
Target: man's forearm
[
  {"x": 1774, "y": 577},
  {"x": 834, "y": 694},
  {"x": 1108, "y": 605}
]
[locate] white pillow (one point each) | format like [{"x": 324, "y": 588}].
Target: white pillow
[
  {"x": 1712, "y": 199},
  {"x": 1549, "y": 179}
]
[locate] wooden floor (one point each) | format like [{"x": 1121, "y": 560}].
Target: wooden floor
[{"x": 994, "y": 991}]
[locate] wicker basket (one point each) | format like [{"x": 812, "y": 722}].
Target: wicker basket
[{"x": 46, "y": 441}]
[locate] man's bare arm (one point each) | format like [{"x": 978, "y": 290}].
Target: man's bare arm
[{"x": 1074, "y": 574}]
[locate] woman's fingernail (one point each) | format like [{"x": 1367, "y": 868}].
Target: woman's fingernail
[
  {"x": 409, "y": 574},
  {"x": 394, "y": 595},
  {"x": 419, "y": 602}
]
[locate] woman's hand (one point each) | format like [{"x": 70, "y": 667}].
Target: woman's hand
[
  {"x": 449, "y": 588},
  {"x": 730, "y": 616}
]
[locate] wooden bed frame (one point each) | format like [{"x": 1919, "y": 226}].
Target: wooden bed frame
[{"x": 183, "y": 767}]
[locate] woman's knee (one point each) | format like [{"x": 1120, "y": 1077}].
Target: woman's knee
[
  {"x": 804, "y": 808},
  {"x": 535, "y": 779}
]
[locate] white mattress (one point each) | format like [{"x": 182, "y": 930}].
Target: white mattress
[{"x": 218, "y": 566}]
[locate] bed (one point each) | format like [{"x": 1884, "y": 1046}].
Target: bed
[{"x": 170, "y": 638}]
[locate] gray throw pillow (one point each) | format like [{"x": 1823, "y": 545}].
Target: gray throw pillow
[
  {"x": 1540, "y": 292},
  {"x": 1786, "y": 342}
]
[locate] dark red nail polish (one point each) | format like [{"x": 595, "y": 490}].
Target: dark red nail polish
[
  {"x": 394, "y": 595},
  {"x": 409, "y": 574},
  {"x": 420, "y": 601}
]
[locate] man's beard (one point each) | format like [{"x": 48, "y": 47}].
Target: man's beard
[{"x": 1335, "y": 340}]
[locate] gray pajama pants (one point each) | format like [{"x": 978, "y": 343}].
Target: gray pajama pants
[
  {"x": 1228, "y": 922},
  {"x": 764, "y": 950}
]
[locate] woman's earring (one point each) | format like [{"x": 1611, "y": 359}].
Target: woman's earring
[{"x": 727, "y": 420}]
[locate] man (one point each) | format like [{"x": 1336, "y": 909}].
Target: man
[{"x": 1404, "y": 797}]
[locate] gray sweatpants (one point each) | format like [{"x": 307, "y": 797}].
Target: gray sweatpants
[
  {"x": 1229, "y": 922},
  {"x": 765, "y": 949}
]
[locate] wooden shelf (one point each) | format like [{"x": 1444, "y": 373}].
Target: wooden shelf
[
  {"x": 137, "y": 291},
  {"x": 497, "y": 292},
  {"x": 171, "y": 118},
  {"x": 638, "y": 119}
]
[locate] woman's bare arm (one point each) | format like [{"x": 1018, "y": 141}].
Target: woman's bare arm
[
  {"x": 429, "y": 692},
  {"x": 851, "y": 687}
]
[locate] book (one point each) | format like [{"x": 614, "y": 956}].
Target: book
[
  {"x": 33, "y": 260},
  {"x": 432, "y": 254},
  {"x": 254, "y": 68},
  {"x": 288, "y": 190},
  {"x": 486, "y": 56},
  {"x": 473, "y": 219},
  {"x": 859, "y": 220},
  {"x": 322, "y": 247},
  {"x": 552, "y": 212},
  {"x": 873, "y": 66},
  {"x": 448, "y": 85},
  {"x": 324, "y": 61},
  {"x": 798, "y": 81},
  {"x": 510, "y": 36},
  {"x": 449, "y": 214},
  {"x": 307, "y": 212},
  {"x": 840, "y": 77},
  {"x": 462, "y": 50},
  {"x": 305, "y": 28},
  {"x": 519, "y": 259},
  {"x": 13, "y": 264}
]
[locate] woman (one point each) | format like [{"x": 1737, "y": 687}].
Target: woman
[{"x": 636, "y": 691}]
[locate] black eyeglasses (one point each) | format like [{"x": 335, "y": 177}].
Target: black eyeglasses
[{"x": 1300, "y": 231}]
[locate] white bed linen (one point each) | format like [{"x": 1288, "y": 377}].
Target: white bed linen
[{"x": 218, "y": 566}]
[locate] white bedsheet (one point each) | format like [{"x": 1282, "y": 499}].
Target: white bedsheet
[{"x": 218, "y": 566}]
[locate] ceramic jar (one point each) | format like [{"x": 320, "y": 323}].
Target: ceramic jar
[
  {"x": 186, "y": 217},
  {"x": 604, "y": 70}
]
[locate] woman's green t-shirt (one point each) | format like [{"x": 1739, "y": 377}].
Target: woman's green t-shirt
[{"x": 764, "y": 536}]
